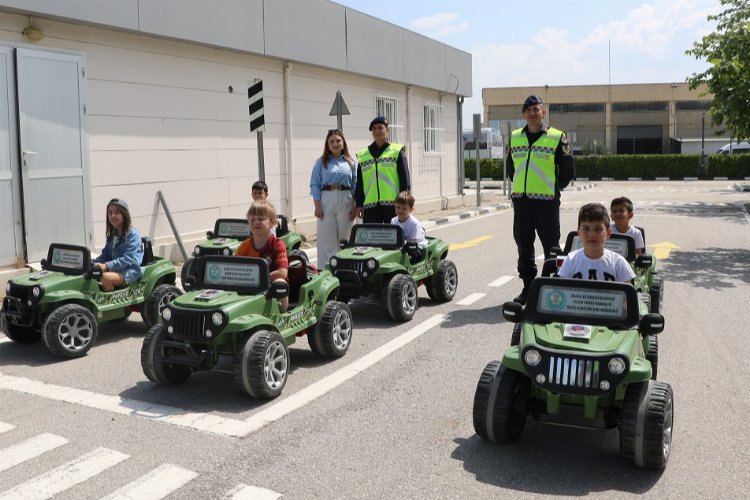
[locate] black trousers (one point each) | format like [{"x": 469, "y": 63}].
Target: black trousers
[
  {"x": 379, "y": 214},
  {"x": 532, "y": 217}
]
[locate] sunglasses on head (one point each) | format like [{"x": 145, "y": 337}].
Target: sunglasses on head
[{"x": 334, "y": 131}]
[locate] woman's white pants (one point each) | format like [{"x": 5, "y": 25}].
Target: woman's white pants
[{"x": 335, "y": 224}]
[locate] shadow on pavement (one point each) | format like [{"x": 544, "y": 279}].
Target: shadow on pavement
[{"x": 712, "y": 268}]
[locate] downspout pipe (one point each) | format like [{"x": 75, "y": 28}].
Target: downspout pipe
[
  {"x": 288, "y": 133},
  {"x": 408, "y": 134},
  {"x": 460, "y": 144}
]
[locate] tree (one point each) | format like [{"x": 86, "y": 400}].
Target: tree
[{"x": 727, "y": 50}]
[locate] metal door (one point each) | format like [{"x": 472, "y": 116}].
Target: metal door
[
  {"x": 53, "y": 150},
  {"x": 11, "y": 229}
]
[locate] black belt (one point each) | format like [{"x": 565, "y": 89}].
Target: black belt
[{"x": 336, "y": 187}]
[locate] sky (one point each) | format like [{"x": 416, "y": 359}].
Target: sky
[{"x": 559, "y": 42}]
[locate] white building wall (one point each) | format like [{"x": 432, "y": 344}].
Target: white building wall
[{"x": 161, "y": 117}]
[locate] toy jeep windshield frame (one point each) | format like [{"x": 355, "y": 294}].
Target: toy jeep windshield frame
[
  {"x": 71, "y": 260},
  {"x": 385, "y": 236},
  {"x": 245, "y": 275},
  {"x": 237, "y": 229},
  {"x": 622, "y": 244},
  {"x": 600, "y": 303}
]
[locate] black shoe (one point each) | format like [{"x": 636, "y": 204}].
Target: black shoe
[{"x": 521, "y": 298}]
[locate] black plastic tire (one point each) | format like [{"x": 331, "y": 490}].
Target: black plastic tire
[
  {"x": 186, "y": 272},
  {"x": 152, "y": 360},
  {"x": 657, "y": 294},
  {"x": 70, "y": 331},
  {"x": 515, "y": 337},
  {"x": 652, "y": 355},
  {"x": 442, "y": 286},
  {"x": 160, "y": 297},
  {"x": 333, "y": 333},
  {"x": 399, "y": 297},
  {"x": 261, "y": 366},
  {"x": 646, "y": 424},
  {"x": 504, "y": 414},
  {"x": 19, "y": 334}
]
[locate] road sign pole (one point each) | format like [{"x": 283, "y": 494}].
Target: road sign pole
[
  {"x": 477, "y": 135},
  {"x": 257, "y": 120}
]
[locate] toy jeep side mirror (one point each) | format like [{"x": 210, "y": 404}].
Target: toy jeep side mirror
[
  {"x": 45, "y": 264},
  {"x": 513, "y": 312},
  {"x": 279, "y": 290},
  {"x": 343, "y": 244},
  {"x": 410, "y": 247},
  {"x": 643, "y": 261},
  {"x": 651, "y": 324},
  {"x": 189, "y": 283},
  {"x": 94, "y": 273},
  {"x": 210, "y": 235},
  {"x": 554, "y": 251}
]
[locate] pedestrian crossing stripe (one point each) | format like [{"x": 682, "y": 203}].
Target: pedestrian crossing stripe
[
  {"x": 26, "y": 450},
  {"x": 158, "y": 483}
]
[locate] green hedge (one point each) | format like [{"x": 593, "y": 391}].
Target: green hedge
[{"x": 641, "y": 166}]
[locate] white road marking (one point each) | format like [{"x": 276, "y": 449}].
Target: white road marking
[
  {"x": 244, "y": 492},
  {"x": 26, "y": 450},
  {"x": 6, "y": 427},
  {"x": 467, "y": 301},
  {"x": 326, "y": 384},
  {"x": 115, "y": 404},
  {"x": 501, "y": 281},
  {"x": 157, "y": 484},
  {"x": 4, "y": 339},
  {"x": 212, "y": 423},
  {"x": 67, "y": 475}
]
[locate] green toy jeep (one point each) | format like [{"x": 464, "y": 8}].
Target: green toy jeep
[
  {"x": 375, "y": 261},
  {"x": 581, "y": 361},
  {"x": 647, "y": 280},
  {"x": 233, "y": 311},
  {"x": 63, "y": 303},
  {"x": 226, "y": 238}
]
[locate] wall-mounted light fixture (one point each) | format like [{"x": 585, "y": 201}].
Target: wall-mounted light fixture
[{"x": 31, "y": 32}]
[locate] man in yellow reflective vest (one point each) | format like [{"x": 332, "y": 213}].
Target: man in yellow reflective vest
[
  {"x": 540, "y": 163},
  {"x": 382, "y": 173}
]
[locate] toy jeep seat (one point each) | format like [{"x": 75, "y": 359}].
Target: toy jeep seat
[
  {"x": 299, "y": 274},
  {"x": 148, "y": 251},
  {"x": 283, "y": 226}
]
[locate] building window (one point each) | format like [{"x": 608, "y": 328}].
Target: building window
[
  {"x": 640, "y": 106},
  {"x": 389, "y": 105},
  {"x": 433, "y": 128},
  {"x": 594, "y": 107},
  {"x": 692, "y": 105}
]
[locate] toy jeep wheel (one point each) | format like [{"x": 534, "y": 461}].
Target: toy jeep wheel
[
  {"x": 261, "y": 366},
  {"x": 657, "y": 294},
  {"x": 152, "y": 360},
  {"x": 17, "y": 333},
  {"x": 443, "y": 285},
  {"x": 652, "y": 355},
  {"x": 500, "y": 403},
  {"x": 399, "y": 297},
  {"x": 185, "y": 273},
  {"x": 646, "y": 424},
  {"x": 155, "y": 303},
  {"x": 333, "y": 333},
  {"x": 70, "y": 331}
]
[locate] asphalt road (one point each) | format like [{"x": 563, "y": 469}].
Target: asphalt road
[{"x": 392, "y": 418}]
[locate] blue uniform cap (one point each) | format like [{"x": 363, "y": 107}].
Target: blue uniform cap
[
  {"x": 531, "y": 101},
  {"x": 379, "y": 119}
]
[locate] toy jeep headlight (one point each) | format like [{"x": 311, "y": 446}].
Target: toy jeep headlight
[
  {"x": 333, "y": 262},
  {"x": 532, "y": 357},
  {"x": 7, "y": 289},
  {"x": 36, "y": 291},
  {"x": 197, "y": 250},
  {"x": 372, "y": 264},
  {"x": 226, "y": 251},
  {"x": 166, "y": 314},
  {"x": 616, "y": 365},
  {"x": 217, "y": 318}
]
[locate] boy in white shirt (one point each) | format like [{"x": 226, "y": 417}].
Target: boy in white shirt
[
  {"x": 593, "y": 261},
  {"x": 621, "y": 210},
  {"x": 413, "y": 230}
]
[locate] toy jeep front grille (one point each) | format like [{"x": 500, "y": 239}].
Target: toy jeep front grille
[
  {"x": 20, "y": 292},
  {"x": 190, "y": 325},
  {"x": 574, "y": 373},
  {"x": 356, "y": 266},
  {"x": 212, "y": 251}
]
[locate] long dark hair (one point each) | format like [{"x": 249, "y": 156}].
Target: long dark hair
[
  {"x": 111, "y": 231},
  {"x": 326, "y": 150}
]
